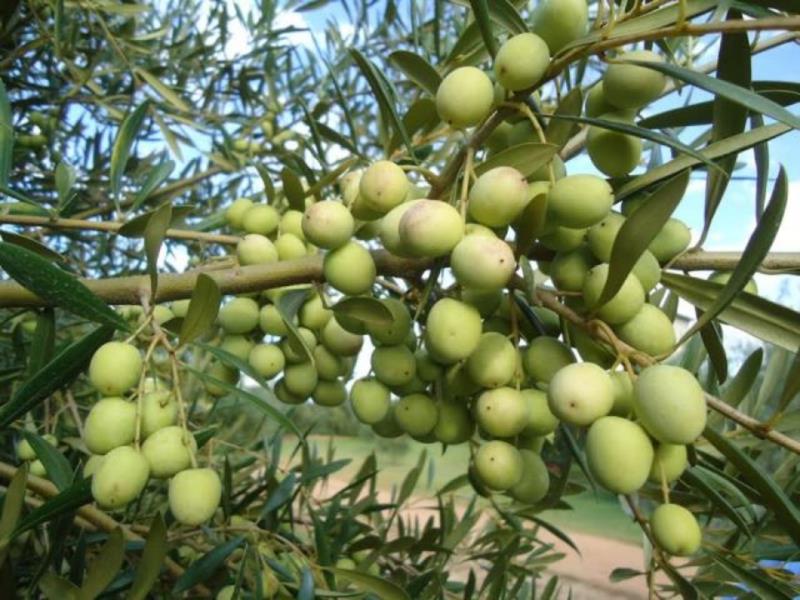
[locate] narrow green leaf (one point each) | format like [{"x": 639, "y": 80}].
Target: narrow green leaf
[
  {"x": 421, "y": 117},
  {"x": 526, "y": 158},
  {"x": 55, "y": 286},
  {"x": 559, "y": 130},
  {"x": 791, "y": 387},
  {"x": 280, "y": 495},
  {"x": 155, "y": 550},
  {"x": 57, "y": 588},
  {"x": 787, "y": 514},
  {"x": 761, "y": 156},
  {"x": 623, "y": 574},
  {"x": 725, "y": 89},
  {"x": 293, "y": 189},
  {"x": 65, "y": 180},
  {"x": 137, "y": 226},
  {"x": 154, "y": 236},
  {"x": 59, "y": 372},
  {"x": 383, "y": 589},
  {"x": 24, "y": 241},
  {"x": 306, "y": 590},
  {"x": 528, "y": 514},
  {"x": 78, "y": 494},
  {"x": 205, "y": 566},
  {"x": 203, "y": 309},
  {"x": 504, "y": 13},
  {"x": 712, "y": 340},
  {"x": 757, "y": 581},
  {"x": 122, "y": 145},
  {"x": 13, "y": 503},
  {"x": 480, "y": 9},
  {"x": 738, "y": 387},
  {"x": 417, "y": 69},
  {"x": 6, "y": 136},
  {"x": 412, "y": 477},
  {"x": 288, "y": 305},
  {"x": 237, "y": 363},
  {"x": 754, "y": 252},
  {"x": 365, "y": 309},
  {"x": 163, "y": 90},
  {"x": 57, "y": 466},
  {"x": 695, "y": 478},
  {"x": 639, "y": 230},
  {"x": 154, "y": 179},
  {"x": 104, "y": 568},
  {"x": 736, "y": 143}
]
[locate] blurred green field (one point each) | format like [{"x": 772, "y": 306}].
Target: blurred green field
[{"x": 597, "y": 514}]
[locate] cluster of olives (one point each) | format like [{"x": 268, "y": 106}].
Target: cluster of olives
[{"x": 119, "y": 465}]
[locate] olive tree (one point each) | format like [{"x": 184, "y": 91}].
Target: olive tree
[{"x": 454, "y": 219}]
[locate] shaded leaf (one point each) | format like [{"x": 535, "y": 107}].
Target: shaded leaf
[
  {"x": 24, "y": 241},
  {"x": 57, "y": 588},
  {"x": 57, "y": 466},
  {"x": 66, "y": 502},
  {"x": 104, "y": 568},
  {"x": 154, "y": 179},
  {"x": 743, "y": 381},
  {"x": 203, "y": 309},
  {"x": 155, "y": 550},
  {"x": 293, "y": 189},
  {"x": 559, "y": 131},
  {"x": 417, "y": 69},
  {"x": 154, "y": 236},
  {"x": 206, "y": 565},
  {"x": 6, "y": 136},
  {"x": 757, "y": 580},
  {"x": 163, "y": 90},
  {"x": 288, "y": 305},
  {"x": 480, "y": 9},
  {"x": 13, "y": 503},
  {"x": 123, "y": 144},
  {"x": 526, "y": 158},
  {"x": 365, "y": 309},
  {"x": 383, "y": 589}
]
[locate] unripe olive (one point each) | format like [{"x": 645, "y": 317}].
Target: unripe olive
[
  {"x": 255, "y": 249},
  {"x": 580, "y": 394},
  {"x": 562, "y": 239},
  {"x": 38, "y": 469},
  {"x": 162, "y": 314},
  {"x": 669, "y": 463},
  {"x": 623, "y": 394},
  {"x": 498, "y": 197},
  {"x": 92, "y": 465},
  {"x": 267, "y": 360},
  {"x": 458, "y": 383},
  {"x": 313, "y": 314},
  {"x": 498, "y": 465},
  {"x": 600, "y": 237},
  {"x": 649, "y": 331},
  {"x": 568, "y": 269},
  {"x": 622, "y": 306},
  {"x": 383, "y": 186},
  {"x": 394, "y": 365},
  {"x": 647, "y": 271},
  {"x": 619, "y": 454},
  {"x": 579, "y": 201},
  {"x": 388, "y": 427},
  {"x": 521, "y": 61},
  {"x": 560, "y": 22},
  {"x": 240, "y": 315},
  {"x": 427, "y": 369},
  {"x": 724, "y": 276},
  {"x": 300, "y": 379},
  {"x": 169, "y": 451},
  {"x": 482, "y": 263},
  {"x": 329, "y": 393},
  {"x": 260, "y": 218},
  {"x": 338, "y": 340},
  {"x": 430, "y": 228},
  {"x": 370, "y": 401},
  {"x": 670, "y": 404},
  {"x": 632, "y": 86},
  {"x": 223, "y": 373},
  {"x": 111, "y": 423},
  {"x": 416, "y": 414},
  {"x": 614, "y": 153},
  {"x": 115, "y": 368},
  {"x": 290, "y": 247},
  {"x": 455, "y": 425},
  {"x": 194, "y": 495},
  {"x": 294, "y": 347},
  {"x": 494, "y": 361},
  {"x": 486, "y": 301},
  {"x": 390, "y": 228},
  {"x": 120, "y": 478},
  {"x": 395, "y": 332},
  {"x": 292, "y": 222},
  {"x": 502, "y": 412},
  {"x": 271, "y": 321},
  {"x": 464, "y": 97},
  {"x": 673, "y": 239},
  {"x": 499, "y": 138},
  {"x": 234, "y": 214},
  {"x": 675, "y": 530},
  {"x": 285, "y": 396},
  {"x": 328, "y": 224},
  {"x": 596, "y": 102},
  {"x": 26, "y": 452},
  {"x": 544, "y": 357},
  {"x": 350, "y": 269},
  {"x": 180, "y": 308},
  {"x": 238, "y": 345},
  {"x": 541, "y": 420},
  {"x": 159, "y": 409},
  {"x": 453, "y": 330},
  {"x": 535, "y": 480}
]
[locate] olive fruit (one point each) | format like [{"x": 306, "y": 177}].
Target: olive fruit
[
  {"x": 675, "y": 530},
  {"x": 521, "y": 61},
  {"x": 329, "y": 393},
  {"x": 619, "y": 454},
  {"x": 670, "y": 404},
  {"x": 159, "y": 409},
  {"x": 430, "y": 228},
  {"x": 92, "y": 464},
  {"x": 544, "y": 357},
  {"x": 482, "y": 263},
  {"x": 350, "y": 269},
  {"x": 562, "y": 239},
  {"x": 222, "y": 373},
  {"x": 389, "y": 229},
  {"x": 260, "y": 218},
  {"x": 568, "y": 269},
  {"x": 169, "y": 451},
  {"x": 454, "y": 424},
  {"x": 613, "y": 152},
  {"x": 290, "y": 247},
  {"x": 285, "y": 396},
  {"x": 498, "y": 196},
  {"x": 541, "y": 420},
  {"x": 465, "y": 97},
  {"x": 340, "y": 341},
  {"x": 328, "y": 224},
  {"x": 453, "y": 330},
  {"x": 267, "y": 360},
  {"x": 494, "y": 361},
  {"x": 580, "y": 393},
  {"x": 627, "y": 85},
  {"x": 240, "y": 315},
  {"x": 238, "y": 345},
  {"x": 194, "y": 495},
  {"x": 270, "y": 321},
  {"x": 370, "y": 400},
  {"x": 596, "y": 102},
  {"x": 623, "y": 305},
  {"x": 649, "y": 331},
  {"x": 383, "y": 186},
  {"x": 313, "y": 314},
  {"x": 502, "y": 412},
  {"x": 498, "y": 465},
  {"x": 623, "y": 394},
  {"x": 600, "y": 237},
  {"x": 115, "y": 368},
  {"x": 673, "y": 239},
  {"x": 300, "y": 379},
  {"x": 579, "y": 201},
  {"x": 234, "y": 214},
  {"x": 416, "y": 414},
  {"x": 560, "y": 22},
  {"x": 292, "y": 222},
  {"x": 669, "y": 463},
  {"x": 256, "y": 249},
  {"x": 393, "y": 332},
  {"x": 535, "y": 480},
  {"x": 120, "y": 478},
  {"x": 111, "y": 423}
]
